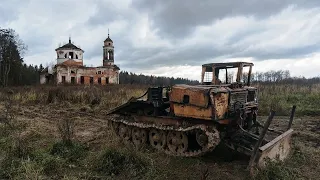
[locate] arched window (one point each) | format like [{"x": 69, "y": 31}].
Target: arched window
[
  {"x": 71, "y": 55},
  {"x": 66, "y": 55},
  {"x": 111, "y": 55},
  {"x": 105, "y": 54}
]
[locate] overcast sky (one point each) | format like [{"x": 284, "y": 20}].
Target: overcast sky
[{"x": 173, "y": 37}]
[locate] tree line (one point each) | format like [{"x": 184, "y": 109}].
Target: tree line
[
  {"x": 132, "y": 78},
  {"x": 280, "y": 77}
]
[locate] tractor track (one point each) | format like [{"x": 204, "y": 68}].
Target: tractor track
[{"x": 211, "y": 133}]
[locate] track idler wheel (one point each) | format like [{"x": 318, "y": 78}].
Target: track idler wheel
[
  {"x": 177, "y": 142},
  {"x": 157, "y": 139},
  {"x": 202, "y": 138},
  {"x": 139, "y": 137}
]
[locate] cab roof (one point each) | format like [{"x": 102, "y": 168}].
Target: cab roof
[{"x": 228, "y": 64}]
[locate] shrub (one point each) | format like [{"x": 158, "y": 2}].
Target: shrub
[
  {"x": 66, "y": 129},
  {"x": 9, "y": 166},
  {"x": 50, "y": 164},
  {"x": 71, "y": 151},
  {"x": 113, "y": 162}
]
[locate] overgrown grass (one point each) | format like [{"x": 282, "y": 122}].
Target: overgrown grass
[
  {"x": 113, "y": 162},
  {"x": 271, "y": 96},
  {"x": 282, "y": 97},
  {"x": 23, "y": 155},
  {"x": 105, "y": 97}
]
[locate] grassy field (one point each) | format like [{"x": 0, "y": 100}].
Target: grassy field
[{"x": 34, "y": 146}]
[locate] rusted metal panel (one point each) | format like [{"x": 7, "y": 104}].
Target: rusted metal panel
[
  {"x": 193, "y": 95},
  {"x": 237, "y": 96},
  {"x": 221, "y": 105},
  {"x": 277, "y": 148},
  {"x": 193, "y": 111}
]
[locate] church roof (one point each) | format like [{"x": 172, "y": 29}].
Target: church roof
[
  {"x": 69, "y": 46},
  {"x": 108, "y": 39}
]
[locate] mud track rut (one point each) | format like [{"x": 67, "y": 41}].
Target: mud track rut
[{"x": 211, "y": 133}]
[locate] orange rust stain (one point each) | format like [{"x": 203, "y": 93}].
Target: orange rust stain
[
  {"x": 197, "y": 97},
  {"x": 224, "y": 121},
  {"x": 221, "y": 104},
  {"x": 193, "y": 111}
]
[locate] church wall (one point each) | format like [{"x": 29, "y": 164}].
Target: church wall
[
  {"x": 106, "y": 74},
  {"x": 79, "y": 62},
  {"x": 79, "y": 53}
]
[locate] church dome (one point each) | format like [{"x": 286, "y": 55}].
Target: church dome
[
  {"x": 69, "y": 46},
  {"x": 108, "y": 39}
]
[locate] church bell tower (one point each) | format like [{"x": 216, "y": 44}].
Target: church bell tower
[{"x": 108, "y": 52}]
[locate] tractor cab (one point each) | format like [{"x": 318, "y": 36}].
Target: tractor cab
[{"x": 226, "y": 73}]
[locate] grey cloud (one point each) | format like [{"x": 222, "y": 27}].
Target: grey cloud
[
  {"x": 39, "y": 44},
  {"x": 106, "y": 12},
  {"x": 152, "y": 58},
  {"x": 287, "y": 53},
  {"x": 175, "y": 20},
  {"x": 180, "y": 17},
  {"x": 9, "y": 10}
]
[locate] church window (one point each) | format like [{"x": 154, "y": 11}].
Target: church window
[
  {"x": 71, "y": 55},
  {"x": 73, "y": 80},
  {"x": 82, "y": 79}
]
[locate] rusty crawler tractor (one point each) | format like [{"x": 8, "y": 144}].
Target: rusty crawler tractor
[{"x": 185, "y": 120}]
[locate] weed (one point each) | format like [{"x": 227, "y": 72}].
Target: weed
[
  {"x": 30, "y": 170},
  {"x": 276, "y": 170},
  {"x": 71, "y": 151},
  {"x": 50, "y": 164},
  {"x": 9, "y": 167},
  {"x": 66, "y": 129},
  {"x": 114, "y": 162}
]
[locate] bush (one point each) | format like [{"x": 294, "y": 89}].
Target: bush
[
  {"x": 71, "y": 151},
  {"x": 51, "y": 164},
  {"x": 9, "y": 166},
  {"x": 113, "y": 162}
]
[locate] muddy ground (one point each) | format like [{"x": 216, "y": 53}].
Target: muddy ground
[{"x": 92, "y": 129}]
